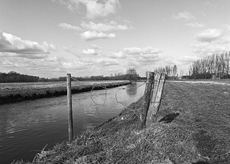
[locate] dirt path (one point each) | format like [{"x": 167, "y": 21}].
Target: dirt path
[{"x": 205, "y": 110}]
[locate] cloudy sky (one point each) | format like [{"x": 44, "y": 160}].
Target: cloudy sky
[{"x": 49, "y": 38}]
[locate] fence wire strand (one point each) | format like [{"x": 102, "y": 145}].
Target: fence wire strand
[
  {"x": 91, "y": 96},
  {"x": 75, "y": 79},
  {"x": 105, "y": 93},
  {"x": 124, "y": 89},
  {"x": 104, "y": 87},
  {"x": 116, "y": 97}
]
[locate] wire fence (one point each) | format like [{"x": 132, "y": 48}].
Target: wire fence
[
  {"x": 101, "y": 85},
  {"x": 102, "y": 101}
]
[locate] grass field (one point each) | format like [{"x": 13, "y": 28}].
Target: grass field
[
  {"x": 13, "y": 92},
  {"x": 193, "y": 127}
]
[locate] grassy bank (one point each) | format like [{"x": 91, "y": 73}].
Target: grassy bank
[
  {"x": 28, "y": 91},
  {"x": 192, "y": 128}
]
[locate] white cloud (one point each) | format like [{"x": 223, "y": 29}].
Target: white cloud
[
  {"x": 140, "y": 57},
  {"x": 94, "y": 8},
  {"x": 24, "y": 63},
  {"x": 69, "y": 27},
  {"x": 48, "y": 67},
  {"x": 78, "y": 65},
  {"x": 118, "y": 55},
  {"x": 103, "y": 26},
  {"x": 72, "y": 51},
  {"x": 184, "y": 16},
  {"x": 188, "y": 59},
  {"x": 96, "y": 47},
  {"x": 212, "y": 45},
  {"x": 28, "y": 56},
  {"x": 212, "y": 41},
  {"x": 95, "y": 30},
  {"x": 84, "y": 61},
  {"x": 132, "y": 62},
  {"x": 224, "y": 40},
  {"x": 78, "y": 53},
  {"x": 93, "y": 35},
  {"x": 205, "y": 48},
  {"x": 195, "y": 25},
  {"x": 142, "y": 62},
  {"x": 90, "y": 52},
  {"x": 107, "y": 62},
  {"x": 149, "y": 60},
  {"x": 141, "y": 51},
  {"x": 209, "y": 35},
  {"x": 12, "y": 44}
]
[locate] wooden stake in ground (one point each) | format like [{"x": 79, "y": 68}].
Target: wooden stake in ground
[
  {"x": 70, "y": 111},
  {"x": 147, "y": 98},
  {"x": 155, "y": 87},
  {"x": 156, "y": 99}
]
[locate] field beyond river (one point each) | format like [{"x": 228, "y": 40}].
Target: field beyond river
[
  {"x": 14, "y": 92},
  {"x": 193, "y": 127}
]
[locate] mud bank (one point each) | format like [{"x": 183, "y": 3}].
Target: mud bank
[{"x": 11, "y": 95}]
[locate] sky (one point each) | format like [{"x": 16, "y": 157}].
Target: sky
[{"x": 50, "y": 38}]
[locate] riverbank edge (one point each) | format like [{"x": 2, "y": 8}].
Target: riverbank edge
[
  {"x": 32, "y": 94},
  {"x": 120, "y": 140}
]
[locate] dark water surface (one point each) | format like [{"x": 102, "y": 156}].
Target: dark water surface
[{"x": 26, "y": 127}]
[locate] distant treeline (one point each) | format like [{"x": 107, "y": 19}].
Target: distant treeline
[
  {"x": 12, "y": 76},
  {"x": 216, "y": 66},
  {"x": 131, "y": 74},
  {"x": 16, "y": 77},
  {"x": 90, "y": 78}
]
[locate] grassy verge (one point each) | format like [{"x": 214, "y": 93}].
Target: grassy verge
[
  {"x": 15, "y": 94},
  {"x": 191, "y": 128}
]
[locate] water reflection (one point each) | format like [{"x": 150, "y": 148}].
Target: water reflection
[
  {"x": 131, "y": 90},
  {"x": 15, "y": 119}
]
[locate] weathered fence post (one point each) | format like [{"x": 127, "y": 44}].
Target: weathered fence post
[
  {"x": 70, "y": 112},
  {"x": 156, "y": 99},
  {"x": 147, "y": 98}
]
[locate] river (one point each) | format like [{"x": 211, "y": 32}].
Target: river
[{"x": 27, "y": 127}]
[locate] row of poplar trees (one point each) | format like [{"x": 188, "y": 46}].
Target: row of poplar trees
[{"x": 216, "y": 65}]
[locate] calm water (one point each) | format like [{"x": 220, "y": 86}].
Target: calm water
[{"x": 26, "y": 127}]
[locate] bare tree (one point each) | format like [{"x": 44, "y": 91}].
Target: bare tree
[
  {"x": 132, "y": 74},
  {"x": 217, "y": 65},
  {"x": 174, "y": 70}
]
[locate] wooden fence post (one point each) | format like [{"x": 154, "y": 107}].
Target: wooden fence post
[
  {"x": 147, "y": 98},
  {"x": 156, "y": 99},
  {"x": 70, "y": 111}
]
